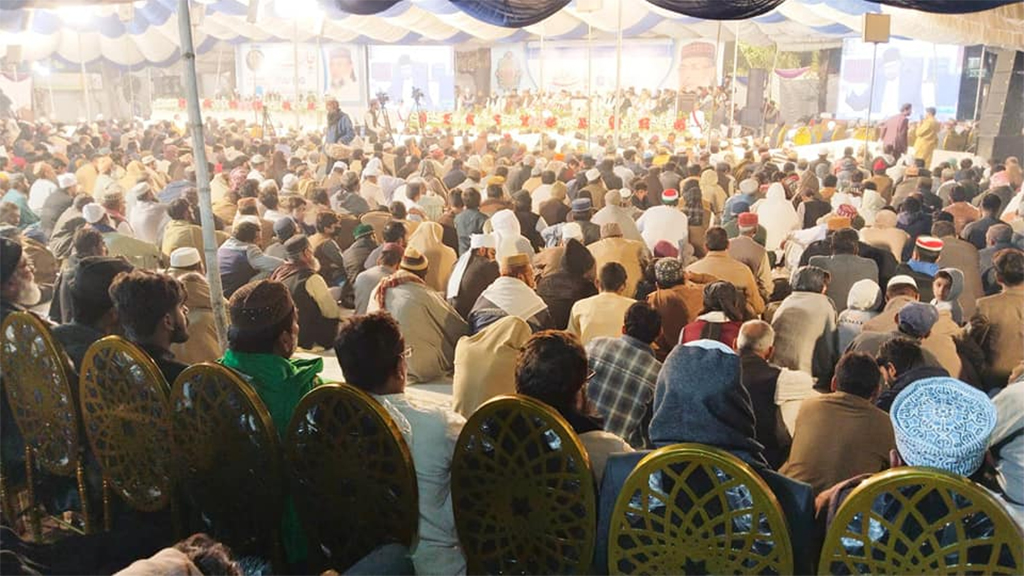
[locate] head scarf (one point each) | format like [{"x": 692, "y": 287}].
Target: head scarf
[
  {"x": 777, "y": 215},
  {"x": 558, "y": 191},
  {"x": 870, "y": 204},
  {"x": 507, "y": 231},
  {"x": 810, "y": 180},
  {"x": 427, "y": 238},
  {"x": 693, "y": 203},
  {"x": 132, "y": 174},
  {"x": 397, "y": 279},
  {"x": 236, "y": 177},
  {"x": 699, "y": 398}
]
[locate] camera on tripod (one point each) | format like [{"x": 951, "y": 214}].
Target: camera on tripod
[
  {"x": 382, "y": 97},
  {"x": 417, "y": 95}
]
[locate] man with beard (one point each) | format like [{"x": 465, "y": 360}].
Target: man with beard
[
  {"x": 318, "y": 311},
  {"x": 339, "y": 125},
  {"x": 18, "y": 288},
  {"x": 152, "y": 311}
]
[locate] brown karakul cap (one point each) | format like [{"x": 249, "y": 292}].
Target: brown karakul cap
[
  {"x": 514, "y": 260},
  {"x": 260, "y": 305}
]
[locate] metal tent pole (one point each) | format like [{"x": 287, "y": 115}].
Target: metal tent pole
[
  {"x": 202, "y": 172},
  {"x": 618, "y": 79},
  {"x": 590, "y": 67},
  {"x": 735, "y": 68},
  {"x": 981, "y": 78},
  {"x": 85, "y": 81},
  {"x": 295, "y": 76},
  {"x": 871, "y": 102}
]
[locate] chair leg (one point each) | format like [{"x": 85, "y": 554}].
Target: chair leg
[
  {"x": 6, "y": 507},
  {"x": 106, "y": 505},
  {"x": 35, "y": 520},
  {"x": 83, "y": 496}
]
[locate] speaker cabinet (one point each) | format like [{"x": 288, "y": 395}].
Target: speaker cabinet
[{"x": 876, "y": 28}]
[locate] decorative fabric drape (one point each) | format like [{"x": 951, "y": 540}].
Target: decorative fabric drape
[
  {"x": 510, "y": 13},
  {"x": 731, "y": 10}
]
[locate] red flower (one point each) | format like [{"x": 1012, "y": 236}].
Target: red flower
[
  {"x": 611, "y": 122},
  {"x": 525, "y": 119},
  {"x": 645, "y": 123},
  {"x": 207, "y": 103},
  {"x": 286, "y": 105},
  {"x": 257, "y": 105},
  {"x": 551, "y": 121},
  {"x": 469, "y": 119},
  {"x": 581, "y": 124},
  {"x": 497, "y": 119},
  {"x": 181, "y": 103},
  {"x": 311, "y": 105},
  {"x": 447, "y": 119},
  {"x": 680, "y": 124},
  {"x": 233, "y": 104}
]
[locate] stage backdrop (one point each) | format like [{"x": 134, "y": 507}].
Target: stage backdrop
[
  {"x": 924, "y": 75},
  {"x": 397, "y": 70},
  {"x": 671, "y": 64}
]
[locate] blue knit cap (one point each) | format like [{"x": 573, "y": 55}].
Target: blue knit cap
[{"x": 943, "y": 423}]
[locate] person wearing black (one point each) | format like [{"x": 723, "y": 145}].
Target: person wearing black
[
  {"x": 760, "y": 378},
  {"x": 151, "y": 309}
]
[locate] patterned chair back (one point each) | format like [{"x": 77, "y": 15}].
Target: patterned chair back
[
  {"x": 227, "y": 458},
  {"x": 353, "y": 478},
  {"x": 126, "y": 412},
  {"x": 921, "y": 521},
  {"x": 694, "y": 509},
  {"x": 523, "y": 491},
  {"x": 37, "y": 381},
  {"x": 36, "y": 378}
]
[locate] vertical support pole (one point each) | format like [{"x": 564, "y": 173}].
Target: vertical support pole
[
  {"x": 618, "y": 79},
  {"x": 767, "y": 91},
  {"x": 85, "y": 81},
  {"x": 202, "y": 171},
  {"x": 981, "y": 80},
  {"x": 295, "y": 76},
  {"x": 871, "y": 102},
  {"x": 590, "y": 67},
  {"x": 735, "y": 68}
]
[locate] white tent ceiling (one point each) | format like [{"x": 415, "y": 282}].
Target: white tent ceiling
[{"x": 145, "y": 32}]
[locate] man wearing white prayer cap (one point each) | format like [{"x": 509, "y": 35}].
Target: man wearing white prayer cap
[
  {"x": 147, "y": 216},
  {"x": 475, "y": 270}
]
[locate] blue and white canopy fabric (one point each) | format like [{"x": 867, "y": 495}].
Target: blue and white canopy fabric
[{"x": 144, "y": 32}]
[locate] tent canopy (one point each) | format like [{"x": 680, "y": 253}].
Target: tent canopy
[{"x": 144, "y": 33}]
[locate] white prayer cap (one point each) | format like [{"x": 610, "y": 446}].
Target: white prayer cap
[
  {"x": 184, "y": 257},
  {"x": 339, "y": 166},
  {"x": 593, "y": 174},
  {"x": 66, "y": 180},
  {"x": 257, "y": 159},
  {"x": 372, "y": 169},
  {"x": 149, "y": 159},
  {"x": 625, "y": 193},
  {"x": 749, "y": 186},
  {"x": 482, "y": 241},
  {"x": 289, "y": 182},
  {"x": 572, "y": 230},
  {"x": 93, "y": 212},
  {"x": 139, "y": 190},
  {"x": 473, "y": 162}
]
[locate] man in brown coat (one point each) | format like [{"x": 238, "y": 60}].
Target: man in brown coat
[
  {"x": 895, "y": 130},
  {"x": 1004, "y": 343},
  {"x": 745, "y": 249},
  {"x": 721, "y": 265},
  {"x": 678, "y": 300}
]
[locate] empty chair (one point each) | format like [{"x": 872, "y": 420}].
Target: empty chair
[
  {"x": 694, "y": 509},
  {"x": 921, "y": 521},
  {"x": 523, "y": 492}
]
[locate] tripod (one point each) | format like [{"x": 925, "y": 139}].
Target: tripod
[{"x": 267, "y": 125}]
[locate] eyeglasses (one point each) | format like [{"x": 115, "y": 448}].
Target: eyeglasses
[{"x": 407, "y": 353}]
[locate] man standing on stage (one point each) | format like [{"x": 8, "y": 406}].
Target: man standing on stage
[
  {"x": 894, "y": 131},
  {"x": 376, "y": 130},
  {"x": 339, "y": 125},
  {"x": 927, "y": 137}
]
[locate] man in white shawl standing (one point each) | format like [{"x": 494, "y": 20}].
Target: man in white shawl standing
[
  {"x": 430, "y": 326},
  {"x": 777, "y": 215}
]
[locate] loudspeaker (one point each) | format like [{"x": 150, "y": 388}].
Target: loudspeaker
[
  {"x": 876, "y": 28},
  {"x": 254, "y": 8},
  {"x": 1002, "y": 118}
]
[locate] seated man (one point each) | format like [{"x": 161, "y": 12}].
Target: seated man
[
  {"x": 474, "y": 271},
  {"x": 371, "y": 353},
  {"x": 1004, "y": 343},
  {"x": 512, "y": 294},
  {"x": 94, "y": 313},
  {"x": 625, "y": 372},
  {"x": 600, "y": 316},
  {"x": 151, "y": 309},
  {"x": 924, "y": 265},
  {"x": 203, "y": 343},
  {"x": 367, "y": 280},
  {"x": 776, "y": 393},
  {"x": 318, "y": 311},
  {"x": 552, "y": 367},
  {"x": 242, "y": 261},
  {"x": 847, "y": 417},
  {"x": 429, "y": 324},
  {"x": 903, "y": 362}
]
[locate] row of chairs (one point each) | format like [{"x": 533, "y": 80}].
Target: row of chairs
[{"x": 522, "y": 486}]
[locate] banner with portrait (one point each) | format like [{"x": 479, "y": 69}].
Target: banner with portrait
[
  {"x": 413, "y": 75},
  {"x": 698, "y": 64},
  {"x": 344, "y": 71}
]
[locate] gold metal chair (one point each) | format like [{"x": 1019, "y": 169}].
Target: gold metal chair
[
  {"x": 922, "y": 521},
  {"x": 523, "y": 491},
  {"x": 694, "y": 509},
  {"x": 228, "y": 459},
  {"x": 353, "y": 479},
  {"x": 37, "y": 383},
  {"x": 126, "y": 412}
]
